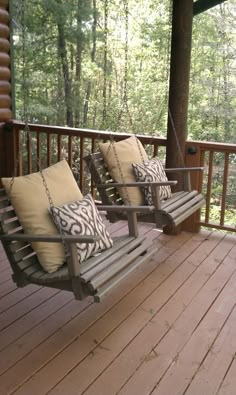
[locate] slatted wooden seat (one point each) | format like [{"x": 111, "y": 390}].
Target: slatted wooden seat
[
  {"x": 167, "y": 213},
  {"x": 96, "y": 277}
]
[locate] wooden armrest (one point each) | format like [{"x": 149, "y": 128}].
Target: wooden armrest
[
  {"x": 135, "y": 184},
  {"x": 49, "y": 238},
  {"x": 118, "y": 208},
  {"x": 184, "y": 169}
]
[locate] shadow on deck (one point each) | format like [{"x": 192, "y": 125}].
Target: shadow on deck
[{"x": 168, "y": 329}]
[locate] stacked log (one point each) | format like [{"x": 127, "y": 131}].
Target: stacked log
[
  {"x": 5, "y": 72},
  {"x": 7, "y": 155}
]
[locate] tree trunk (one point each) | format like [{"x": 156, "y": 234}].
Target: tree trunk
[
  {"x": 78, "y": 70},
  {"x": 65, "y": 69},
  {"x": 93, "y": 54}
]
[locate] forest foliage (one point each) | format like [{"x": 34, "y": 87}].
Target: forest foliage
[{"x": 75, "y": 65}]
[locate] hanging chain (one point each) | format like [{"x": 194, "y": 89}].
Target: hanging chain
[
  {"x": 176, "y": 137},
  {"x": 25, "y": 92},
  {"x": 124, "y": 105},
  {"x": 125, "y": 95},
  {"x": 170, "y": 10},
  {"x": 104, "y": 94}
]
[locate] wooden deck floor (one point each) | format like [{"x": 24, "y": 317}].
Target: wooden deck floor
[{"x": 167, "y": 330}]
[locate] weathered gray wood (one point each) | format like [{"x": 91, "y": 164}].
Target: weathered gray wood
[
  {"x": 156, "y": 197},
  {"x": 117, "y": 267},
  {"x": 105, "y": 289},
  {"x": 115, "y": 257},
  {"x": 184, "y": 208},
  {"x": 187, "y": 181},
  {"x": 18, "y": 245},
  {"x": 26, "y": 268},
  {"x": 183, "y": 169},
  {"x": 180, "y": 202},
  {"x": 175, "y": 197},
  {"x": 96, "y": 260},
  {"x": 132, "y": 223},
  {"x": 4, "y": 203},
  {"x": 9, "y": 226},
  {"x": 136, "y": 184},
  {"x": 49, "y": 238},
  {"x": 21, "y": 254},
  {"x": 162, "y": 212},
  {"x": 183, "y": 216},
  {"x": 124, "y": 208}
]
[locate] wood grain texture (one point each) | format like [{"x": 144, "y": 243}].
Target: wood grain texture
[{"x": 169, "y": 329}]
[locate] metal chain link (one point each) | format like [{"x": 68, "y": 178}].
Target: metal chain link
[
  {"x": 176, "y": 137},
  {"x": 112, "y": 144},
  {"x": 125, "y": 106},
  {"x": 104, "y": 93}
]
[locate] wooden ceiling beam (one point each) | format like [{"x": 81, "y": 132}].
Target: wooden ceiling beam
[{"x": 200, "y": 6}]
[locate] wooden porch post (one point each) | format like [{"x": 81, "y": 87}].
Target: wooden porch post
[
  {"x": 6, "y": 142},
  {"x": 179, "y": 83},
  {"x": 181, "y": 41}
]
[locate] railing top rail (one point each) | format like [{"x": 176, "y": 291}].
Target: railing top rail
[
  {"x": 213, "y": 146},
  {"x": 88, "y": 133},
  {"x": 103, "y": 135}
]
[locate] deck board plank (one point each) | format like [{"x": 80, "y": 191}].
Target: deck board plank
[
  {"x": 212, "y": 371},
  {"x": 168, "y": 329},
  {"x": 67, "y": 338},
  {"x": 229, "y": 383},
  {"x": 97, "y": 333},
  {"x": 169, "y": 347},
  {"x": 192, "y": 355},
  {"x": 112, "y": 346},
  {"x": 159, "y": 324}
]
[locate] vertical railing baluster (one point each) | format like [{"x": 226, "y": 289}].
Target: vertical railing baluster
[
  {"x": 224, "y": 191},
  {"x": 38, "y": 149},
  {"x": 93, "y": 145},
  {"x": 59, "y": 147},
  {"x": 209, "y": 183},
  {"x": 49, "y": 139},
  {"x": 19, "y": 152},
  {"x": 29, "y": 154},
  {"x": 81, "y": 170},
  {"x": 92, "y": 189},
  {"x": 70, "y": 140},
  {"x": 155, "y": 150}
]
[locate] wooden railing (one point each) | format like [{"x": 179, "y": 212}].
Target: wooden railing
[
  {"x": 49, "y": 144},
  {"x": 218, "y": 183},
  {"x": 45, "y": 145}
]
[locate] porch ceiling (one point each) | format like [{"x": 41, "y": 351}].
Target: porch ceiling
[{"x": 200, "y": 6}]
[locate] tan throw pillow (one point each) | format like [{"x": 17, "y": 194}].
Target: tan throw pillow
[
  {"x": 29, "y": 199},
  {"x": 127, "y": 151}
]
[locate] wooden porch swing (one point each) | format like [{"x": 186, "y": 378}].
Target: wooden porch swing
[
  {"x": 166, "y": 214},
  {"x": 95, "y": 276}
]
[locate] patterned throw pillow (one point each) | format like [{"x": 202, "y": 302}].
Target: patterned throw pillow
[
  {"x": 151, "y": 171},
  {"x": 82, "y": 218}
]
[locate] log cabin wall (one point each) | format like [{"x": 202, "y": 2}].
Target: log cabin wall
[{"x": 6, "y": 154}]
